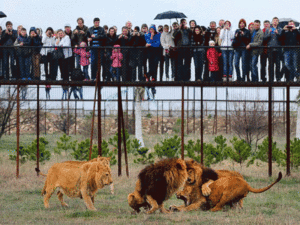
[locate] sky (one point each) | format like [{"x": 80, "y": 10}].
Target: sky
[{"x": 57, "y": 13}]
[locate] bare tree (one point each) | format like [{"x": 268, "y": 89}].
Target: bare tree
[
  {"x": 63, "y": 122},
  {"x": 8, "y": 104},
  {"x": 250, "y": 122}
]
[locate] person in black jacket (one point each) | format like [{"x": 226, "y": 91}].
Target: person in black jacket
[
  {"x": 136, "y": 54},
  {"x": 241, "y": 40},
  {"x": 111, "y": 39},
  {"x": 36, "y": 42},
  {"x": 198, "y": 52},
  {"x": 1, "y": 55},
  {"x": 8, "y": 38},
  {"x": 290, "y": 36},
  {"x": 96, "y": 38},
  {"x": 182, "y": 39}
]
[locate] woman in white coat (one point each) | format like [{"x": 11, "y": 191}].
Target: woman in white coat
[
  {"x": 166, "y": 42},
  {"x": 227, "y": 36},
  {"x": 63, "y": 40}
]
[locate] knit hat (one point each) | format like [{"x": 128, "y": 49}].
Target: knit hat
[
  {"x": 144, "y": 25},
  {"x": 211, "y": 42},
  {"x": 32, "y": 29},
  {"x": 67, "y": 25}
]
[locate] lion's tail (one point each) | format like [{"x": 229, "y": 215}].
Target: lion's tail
[
  {"x": 40, "y": 173},
  {"x": 265, "y": 188}
]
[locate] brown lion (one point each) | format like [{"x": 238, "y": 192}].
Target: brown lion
[
  {"x": 230, "y": 190},
  {"x": 197, "y": 185},
  {"x": 77, "y": 180},
  {"x": 157, "y": 183}
]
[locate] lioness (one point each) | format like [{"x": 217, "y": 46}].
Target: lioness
[
  {"x": 197, "y": 186},
  {"x": 77, "y": 180},
  {"x": 104, "y": 160},
  {"x": 157, "y": 183},
  {"x": 232, "y": 189}
]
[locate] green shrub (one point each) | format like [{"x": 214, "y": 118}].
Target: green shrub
[
  {"x": 81, "y": 151},
  {"x": 143, "y": 158},
  {"x": 263, "y": 153},
  {"x": 294, "y": 153},
  {"x": 29, "y": 153},
  {"x": 241, "y": 150},
  {"x": 149, "y": 115},
  {"x": 169, "y": 147},
  {"x": 63, "y": 145}
]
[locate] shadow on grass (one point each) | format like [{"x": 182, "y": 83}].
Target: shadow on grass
[{"x": 86, "y": 214}]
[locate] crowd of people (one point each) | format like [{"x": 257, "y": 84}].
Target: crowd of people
[{"x": 146, "y": 53}]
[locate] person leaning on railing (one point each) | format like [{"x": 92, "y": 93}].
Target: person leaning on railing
[
  {"x": 198, "y": 51},
  {"x": 63, "y": 40},
  {"x": 272, "y": 38},
  {"x": 111, "y": 39},
  {"x": 8, "y": 38},
  {"x": 23, "y": 54},
  {"x": 46, "y": 53},
  {"x": 1, "y": 55},
  {"x": 290, "y": 36},
  {"x": 240, "y": 41},
  {"x": 36, "y": 42}
]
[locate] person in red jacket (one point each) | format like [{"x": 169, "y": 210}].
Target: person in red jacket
[
  {"x": 116, "y": 58},
  {"x": 213, "y": 61}
]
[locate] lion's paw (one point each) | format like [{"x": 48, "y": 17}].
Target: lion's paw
[{"x": 206, "y": 190}]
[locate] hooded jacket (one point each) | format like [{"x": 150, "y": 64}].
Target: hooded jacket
[
  {"x": 84, "y": 56},
  {"x": 166, "y": 41},
  {"x": 227, "y": 37},
  {"x": 35, "y": 41},
  {"x": 155, "y": 42},
  {"x": 242, "y": 40},
  {"x": 213, "y": 59},
  {"x": 116, "y": 57}
]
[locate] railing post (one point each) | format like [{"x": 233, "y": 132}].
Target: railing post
[
  {"x": 270, "y": 129},
  {"x": 182, "y": 123},
  {"x": 18, "y": 129},
  {"x": 99, "y": 119},
  {"x": 119, "y": 133},
  {"x": 201, "y": 132},
  {"x": 38, "y": 130},
  {"x": 288, "y": 124}
]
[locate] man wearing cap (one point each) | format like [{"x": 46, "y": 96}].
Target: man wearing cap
[{"x": 96, "y": 38}]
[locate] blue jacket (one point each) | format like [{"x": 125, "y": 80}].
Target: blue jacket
[
  {"x": 155, "y": 42},
  {"x": 35, "y": 41}
]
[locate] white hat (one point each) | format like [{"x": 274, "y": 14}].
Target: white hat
[
  {"x": 67, "y": 25},
  {"x": 211, "y": 42}
]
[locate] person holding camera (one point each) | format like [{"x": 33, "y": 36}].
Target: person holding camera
[
  {"x": 36, "y": 43},
  {"x": 46, "y": 53},
  {"x": 136, "y": 54},
  {"x": 8, "y": 38},
  {"x": 79, "y": 35},
  {"x": 271, "y": 37},
  {"x": 182, "y": 39},
  {"x": 290, "y": 36},
  {"x": 226, "y": 37},
  {"x": 256, "y": 41},
  {"x": 240, "y": 41}
]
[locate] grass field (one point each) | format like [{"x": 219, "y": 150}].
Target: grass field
[{"x": 21, "y": 201}]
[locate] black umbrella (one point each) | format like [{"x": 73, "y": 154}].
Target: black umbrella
[
  {"x": 285, "y": 21},
  {"x": 170, "y": 15},
  {"x": 2, "y": 14}
]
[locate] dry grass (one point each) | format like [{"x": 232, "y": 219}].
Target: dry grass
[{"x": 21, "y": 201}]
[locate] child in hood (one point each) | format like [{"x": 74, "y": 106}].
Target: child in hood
[
  {"x": 84, "y": 59},
  {"x": 213, "y": 61},
  {"x": 116, "y": 58}
]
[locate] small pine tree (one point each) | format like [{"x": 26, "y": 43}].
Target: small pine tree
[
  {"x": 64, "y": 144},
  {"x": 169, "y": 147},
  {"x": 241, "y": 150}
]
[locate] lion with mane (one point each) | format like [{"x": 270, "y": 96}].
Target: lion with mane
[{"x": 157, "y": 183}]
